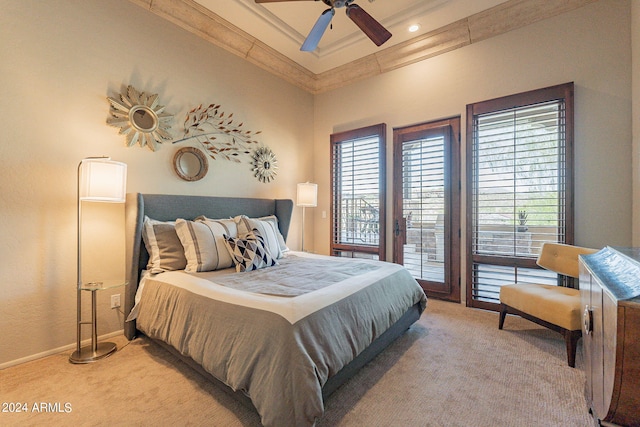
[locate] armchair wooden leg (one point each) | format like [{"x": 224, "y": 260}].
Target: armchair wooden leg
[
  {"x": 503, "y": 314},
  {"x": 571, "y": 338}
]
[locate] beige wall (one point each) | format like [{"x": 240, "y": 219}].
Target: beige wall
[
  {"x": 60, "y": 60},
  {"x": 589, "y": 46}
]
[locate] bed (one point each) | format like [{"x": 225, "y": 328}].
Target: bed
[{"x": 286, "y": 335}]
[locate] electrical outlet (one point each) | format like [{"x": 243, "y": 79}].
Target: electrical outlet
[{"x": 115, "y": 301}]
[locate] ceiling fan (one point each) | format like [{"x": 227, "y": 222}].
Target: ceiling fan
[{"x": 372, "y": 28}]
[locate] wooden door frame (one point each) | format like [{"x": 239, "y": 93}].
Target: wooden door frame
[{"x": 451, "y": 127}]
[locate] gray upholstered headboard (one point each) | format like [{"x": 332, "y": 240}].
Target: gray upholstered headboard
[{"x": 165, "y": 207}]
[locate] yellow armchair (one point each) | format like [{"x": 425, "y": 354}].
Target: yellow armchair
[{"x": 554, "y": 307}]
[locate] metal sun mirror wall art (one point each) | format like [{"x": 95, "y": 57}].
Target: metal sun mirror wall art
[
  {"x": 265, "y": 164},
  {"x": 143, "y": 121},
  {"x": 140, "y": 118}
]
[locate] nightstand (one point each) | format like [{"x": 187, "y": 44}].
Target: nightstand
[{"x": 94, "y": 351}]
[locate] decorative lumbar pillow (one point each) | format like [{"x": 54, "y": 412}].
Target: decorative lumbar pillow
[
  {"x": 249, "y": 252},
  {"x": 267, "y": 227},
  {"x": 165, "y": 250},
  {"x": 203, "y": 242}
]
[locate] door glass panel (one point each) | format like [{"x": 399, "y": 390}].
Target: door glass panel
[
  {"x": 423, "y": 205},
  {"x": 357, "y": 192}
]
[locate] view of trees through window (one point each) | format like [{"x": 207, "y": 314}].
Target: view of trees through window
[
  {"x": 519, "y": 178},
  {"x": 518, "y": 194}
]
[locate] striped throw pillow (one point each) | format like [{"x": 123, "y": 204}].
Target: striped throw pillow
[
  {"x": 203, "y": 242},
  {"x": 267, "y": 228}
]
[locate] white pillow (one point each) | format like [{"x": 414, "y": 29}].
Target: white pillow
[
  {"x": 274, "y": 219},
  {"x": 267, "y": 228},
  {"x": 166, "y": 252},
  {"x": 203, "y": 242}
]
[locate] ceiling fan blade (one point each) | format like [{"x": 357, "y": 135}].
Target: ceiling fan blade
[
  {"x": 372, "y": 28},
  {"x": 312, "y": 40}
]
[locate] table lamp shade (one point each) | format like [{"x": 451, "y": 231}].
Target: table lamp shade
[
  {"x": 307, "y": 195},
  {"x": 102, "y": 180}
]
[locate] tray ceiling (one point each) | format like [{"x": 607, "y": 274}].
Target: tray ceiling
[
  {"x": 269, "y": 35},
  {"x": 283, "y": 26}
]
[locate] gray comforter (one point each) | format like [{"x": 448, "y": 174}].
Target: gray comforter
[{"x": 279, "y": 350}]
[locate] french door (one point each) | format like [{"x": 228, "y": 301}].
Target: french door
[{"x": 426, "y": 205}]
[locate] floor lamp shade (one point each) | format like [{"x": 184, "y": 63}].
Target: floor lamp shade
[
  {"x": 307, "y": 195},
  {"x": 102, "y": 180}
]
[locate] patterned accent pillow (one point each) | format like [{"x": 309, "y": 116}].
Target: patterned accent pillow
[
  {"x": 203, "y": 242},
  {"x": 249, "y": 252},
  {"x": 165, "y": 250},
  {"x": 267, "y": 227}
]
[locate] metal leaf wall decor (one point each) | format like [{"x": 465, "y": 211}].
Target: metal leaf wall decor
[
  {"x": 143, "y": 121},
  {"x": 219, "y": 134}
]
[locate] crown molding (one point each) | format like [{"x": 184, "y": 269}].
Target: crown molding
[{"x": 492, "y": 22}]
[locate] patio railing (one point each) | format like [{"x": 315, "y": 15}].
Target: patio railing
[{"x": 360, "y": 222}]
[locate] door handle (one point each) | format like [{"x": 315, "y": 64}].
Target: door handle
[{"x": 399, "y": 227}]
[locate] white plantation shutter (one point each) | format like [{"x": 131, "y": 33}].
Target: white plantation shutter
[
  {"x": 423, "y": 203},
  {"x": 520, "y": 190},
  {"x": 358, "y": 192}
]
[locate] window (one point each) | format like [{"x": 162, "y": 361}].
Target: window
[
  {"x": 358, "y": 192},
  {"x": 520, "y": 182}
]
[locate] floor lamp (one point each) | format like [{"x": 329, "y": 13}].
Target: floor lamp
[
  {"x": 307, "y": 197},
  {"x": 100, "y": 179}
]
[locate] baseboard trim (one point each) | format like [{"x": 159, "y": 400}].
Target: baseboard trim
[{"x": 56, "y": 350}]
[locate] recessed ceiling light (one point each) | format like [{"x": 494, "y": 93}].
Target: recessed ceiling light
[{"x": 413, "y": 28}]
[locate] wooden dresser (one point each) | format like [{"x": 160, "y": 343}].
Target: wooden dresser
[{"x": 610, "y": 293}]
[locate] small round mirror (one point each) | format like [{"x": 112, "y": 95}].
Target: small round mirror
[
  {"x": 190, "y": 164},
  {"x": 143, "y": 118}
]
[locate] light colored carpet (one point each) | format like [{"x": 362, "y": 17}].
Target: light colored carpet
[{"x": 452, "y": 368}]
